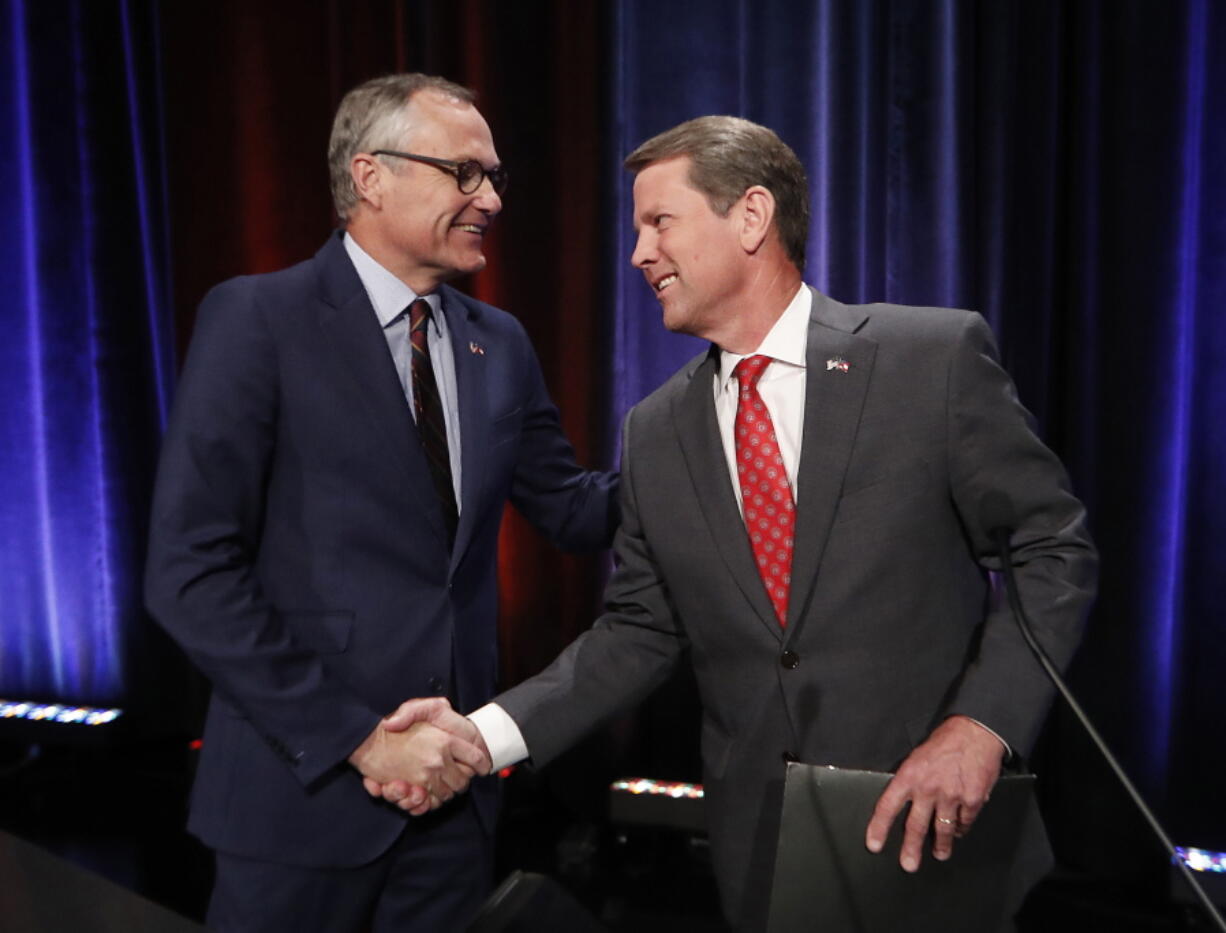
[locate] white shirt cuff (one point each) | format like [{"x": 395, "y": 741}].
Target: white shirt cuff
[
  {"x": 1008, "y": 750},
  {"x": 502, "y": 737}
]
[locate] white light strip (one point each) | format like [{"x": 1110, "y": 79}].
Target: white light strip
[
  {"x": 56, "y": 712},
  {"x": 676, "y": 789},
  {"x": 1202, "y": 859}
]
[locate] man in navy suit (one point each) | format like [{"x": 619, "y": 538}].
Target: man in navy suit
[{"x": 345, "y": 436}]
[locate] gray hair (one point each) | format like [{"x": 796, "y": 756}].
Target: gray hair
[
  {"x": 727, "y": 156},
  {"x": 374, "y": 116}
]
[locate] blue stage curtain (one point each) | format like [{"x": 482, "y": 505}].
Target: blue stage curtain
[
  {"x": 1059, "y": 167},
  {"x": 85, "y": 362}
]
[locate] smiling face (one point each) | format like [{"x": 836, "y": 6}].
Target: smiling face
[
  {"x": 413, "y": 218},
  {"x": 691, "y": 257}
]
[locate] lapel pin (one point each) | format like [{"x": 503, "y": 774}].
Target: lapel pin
[
  {"x": 476, "y": 348},
  {"x": 837, "y": 362}
]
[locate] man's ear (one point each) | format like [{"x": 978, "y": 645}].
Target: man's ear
[
  {"x": 757, "y": 215},
  {"x": 367, "y": 173}
]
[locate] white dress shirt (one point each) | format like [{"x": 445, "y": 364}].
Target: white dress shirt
[{"x": 781, "y": 385}]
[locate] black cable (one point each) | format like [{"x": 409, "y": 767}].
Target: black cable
[{"x": 1001, "y": 535}]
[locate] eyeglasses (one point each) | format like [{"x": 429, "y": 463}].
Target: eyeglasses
[{"x": 468, "y": 174}]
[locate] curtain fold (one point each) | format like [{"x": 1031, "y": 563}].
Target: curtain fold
[{"x": 85, "y": 366}]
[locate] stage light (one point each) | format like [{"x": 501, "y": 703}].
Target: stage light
[
  {"x": 57, "y": 713},
  {"x": 648, "y": 802},
  {"x": 674, "y": 789},
  {"x": 1202, "y": 859},
  {"x": 1211, "y": 868}
]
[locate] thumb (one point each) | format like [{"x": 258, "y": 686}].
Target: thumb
[{"x": 425, "y": 709}]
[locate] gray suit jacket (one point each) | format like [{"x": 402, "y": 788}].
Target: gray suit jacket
[{"x": 890, "y": 626}]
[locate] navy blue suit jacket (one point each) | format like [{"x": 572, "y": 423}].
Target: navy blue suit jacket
[{"x": 298, "y": 551}]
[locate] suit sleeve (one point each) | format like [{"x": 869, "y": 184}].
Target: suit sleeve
[
  {"x": 628, "y": 652},
  {"x": 576, "y": 509},
  {"x": 201, "y": 579},
  {"x": 992, "y": 447}
]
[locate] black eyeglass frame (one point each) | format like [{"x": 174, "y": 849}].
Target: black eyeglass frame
[{"x": 469, "y": 168}]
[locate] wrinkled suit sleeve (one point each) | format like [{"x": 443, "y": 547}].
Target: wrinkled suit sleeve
[{"x": 992, "y": 447}]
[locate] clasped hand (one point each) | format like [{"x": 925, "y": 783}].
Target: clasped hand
[
  {"x": 421, "y": 756},
  {"x": 947, "y": 780}
]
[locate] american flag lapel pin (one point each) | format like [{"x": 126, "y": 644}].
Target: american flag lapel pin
[
  {"x": 476, "y": 348},
  {"x": 837, "y": 362}
]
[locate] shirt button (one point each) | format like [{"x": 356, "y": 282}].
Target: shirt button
[{"x": 790, "y": 660}]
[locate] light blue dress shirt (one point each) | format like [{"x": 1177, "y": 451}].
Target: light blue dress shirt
[{"x": 391, "y": 298}]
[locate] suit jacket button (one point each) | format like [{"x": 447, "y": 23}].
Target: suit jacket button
[
  {"x": 435, "y": 685},
  {"x": 788, "y": 757},
  {"x": 790, "y": 660}
]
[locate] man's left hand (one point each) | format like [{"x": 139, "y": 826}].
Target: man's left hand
[{"x": 947, "y": 779}]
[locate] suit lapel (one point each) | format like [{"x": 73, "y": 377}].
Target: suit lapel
[
  {"x": 358, "y": 346},
  {"x": 703, "y": 450},
  {"x": 834, "y": 400},
  {"x": 474, "y": 416}
]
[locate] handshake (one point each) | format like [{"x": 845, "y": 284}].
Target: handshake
[{"x": 421, "y": 755}]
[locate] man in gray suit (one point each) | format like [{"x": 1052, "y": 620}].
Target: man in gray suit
[{"x": 852, "y": 624}]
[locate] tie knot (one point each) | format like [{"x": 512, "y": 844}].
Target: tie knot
[
  {"x": 750, "y": 370},
  {"x": 419, "y": 314}
]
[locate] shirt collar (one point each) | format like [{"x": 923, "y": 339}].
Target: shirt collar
[
  {"x": 786, "y": 341},
  {"x": 388, "y": 294}
]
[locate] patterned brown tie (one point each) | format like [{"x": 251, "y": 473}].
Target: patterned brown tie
[
  {"x": 431, "y": 425},
  {"x": 766, "y": 495}
]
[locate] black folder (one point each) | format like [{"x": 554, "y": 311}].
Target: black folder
[{"x": 826, "y": 879}]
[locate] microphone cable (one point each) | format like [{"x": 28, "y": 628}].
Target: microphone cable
[{"x": 997, "y": 512}]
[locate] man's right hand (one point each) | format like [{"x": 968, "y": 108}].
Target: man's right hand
[{"x": 420, "y": 756}]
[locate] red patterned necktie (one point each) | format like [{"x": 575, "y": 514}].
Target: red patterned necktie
[
  {"x": 766, "y": 496},
  {"x": 431, "y": 426}
]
